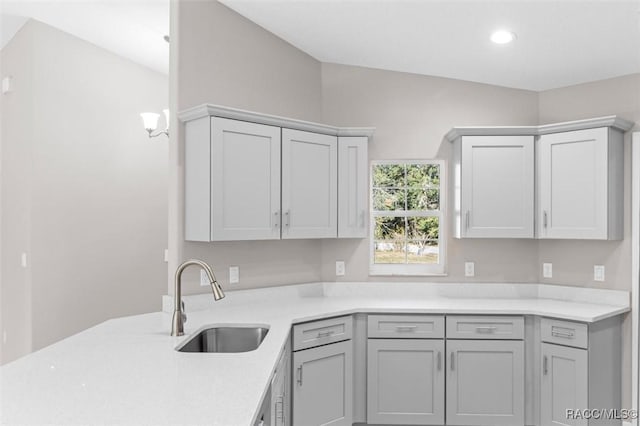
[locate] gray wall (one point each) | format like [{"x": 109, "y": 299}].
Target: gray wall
[
  {"x": 83, "y": 189},
  {"x": 222, "y": 58},
  {"x": 573, "y": 260},
  {"x": 411, "y": 114}
]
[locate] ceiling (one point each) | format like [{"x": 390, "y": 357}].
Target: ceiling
[
  {"x": 131, "y": 28},
  {"x": 559, "y": 42}
]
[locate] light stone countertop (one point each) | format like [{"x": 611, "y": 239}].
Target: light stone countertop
[{"x": 125, "y": 371}]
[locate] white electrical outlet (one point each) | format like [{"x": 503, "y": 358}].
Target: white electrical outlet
[
  {"x": 469, "y": 269},
  {"x": 234, "y": 274},
  {"x": 204, "y": 279},
  {"x": 339, "y": 268},
  {"x": 166, "y": 255},
  {"x": 7, "y": 85},
  {"x": 4, "y": 336},
  {"x": 547, "y": 270},
  {"x": 23, "y": 260},
  {"x": 598, "y": 272}
]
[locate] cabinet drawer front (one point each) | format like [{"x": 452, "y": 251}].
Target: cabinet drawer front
[
  {"x": 567, "y": 333},
  {"x": 318, "y": 333},
  {"x": 405, "y": 326},
  {"x": 485, "y": 327}
]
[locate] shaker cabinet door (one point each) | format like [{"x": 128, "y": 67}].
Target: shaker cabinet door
[
  {"x": 405, "y": 382},
  {"x": 564, "y": 384},
  {"x": 497, "y": 187},
  {"x": 485, "y": 382},
  {"x": 309, "y": 185},
  {"x": 323, "y": 385}
]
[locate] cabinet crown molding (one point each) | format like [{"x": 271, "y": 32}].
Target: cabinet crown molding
[
  {"x": 210, "y": 110},
  {"x": 590, "y": 123}
]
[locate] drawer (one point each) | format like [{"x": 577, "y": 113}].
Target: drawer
[
  {"x": 405, "y": 326},
  {"x": 485, "y": 327},
  {"x": 318, "y": 333},
  {"x": 567, "y": 333}
]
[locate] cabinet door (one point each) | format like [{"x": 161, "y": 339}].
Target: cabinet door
[
  {"x": 352, "y": 186},
  {"x": 323, "y": 385},
  {"x": 497, "y": 187},
  {"x": 573, "y": 198},
  {"x": 280, "y": 390},
  {"x": 564, "y": 384},
  {"x": 485, "y": 382},
  {"x": 309, "y": 185},
  {"x": 405, "y": 382},
  {"x": 245, "y": 181}
]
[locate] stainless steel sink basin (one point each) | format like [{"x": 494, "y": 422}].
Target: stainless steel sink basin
[{"x": 228, "y": 339}]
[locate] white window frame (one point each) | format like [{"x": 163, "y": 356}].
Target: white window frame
[{"x": 388, "y": 269}]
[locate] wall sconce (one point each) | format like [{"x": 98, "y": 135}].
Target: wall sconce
[{"x": 150, "y": 121}]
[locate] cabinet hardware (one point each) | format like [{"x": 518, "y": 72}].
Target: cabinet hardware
[
  {"x": 452, "y": 361},
  {"x": 326, "y": 333},
  {"x": 544, "y": 219},
  {"x": 486, "y": 330},
  {"x": 467, "y": 220},
  {"x": 545, "y": 363},
  {"x": 299, "y": 380},
  {"x": 406, "y": 327},
  {"x": 439, "y": 360},
  {"x": 276, "y": 219},
  {"x": 280, "y": 408},
  {"x": 287, "y": 218},
  {"x": 563, "y": 334}
]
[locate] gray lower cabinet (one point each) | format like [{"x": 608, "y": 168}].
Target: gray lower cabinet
[
  {"x": 485, "y": 382},
  {"x": 579, "y": 372},
  {"x": 564, "y": 384},
  {"x": 280, "y": 390},
  {"x": 405, "y": 381},
  {"x": 323, "y": 373}
]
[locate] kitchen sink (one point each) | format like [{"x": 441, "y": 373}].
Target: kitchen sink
[{"x": 228, "y": 339}]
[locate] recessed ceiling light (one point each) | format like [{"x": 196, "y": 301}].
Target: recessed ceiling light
[{"x": 502, "y": 37}]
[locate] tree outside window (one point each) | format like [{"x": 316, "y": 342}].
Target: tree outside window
[{"x": 406, "y": 218}]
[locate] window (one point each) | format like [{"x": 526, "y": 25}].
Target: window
[{"x": 407, "y": 218}]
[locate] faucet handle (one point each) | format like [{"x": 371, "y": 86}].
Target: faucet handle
[{"x": 184, "y": 315}]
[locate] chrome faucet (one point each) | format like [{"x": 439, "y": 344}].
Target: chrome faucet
[{"x": 177, "y": 324}]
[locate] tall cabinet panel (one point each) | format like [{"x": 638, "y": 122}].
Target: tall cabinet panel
[
  {"x": 497, "y": 183},
  {"x": 580, "y": 184},
  {"x": 352, "y": 186},
  {"x": 309, "y": 185}
]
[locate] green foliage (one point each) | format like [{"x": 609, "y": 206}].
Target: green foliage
[{"x": 405, "y": 188}]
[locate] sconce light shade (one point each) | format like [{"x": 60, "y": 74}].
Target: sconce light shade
[{"x": 150, "y": 120}]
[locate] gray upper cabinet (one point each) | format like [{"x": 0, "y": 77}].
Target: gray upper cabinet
[
  {"x": 309, "y": 185},
  {"x": 580, "y": 183},
  {"x": 232, "y": 181},
  {"x": 497, "y": 184},
  {"x": 251, "y": 176},
  {"x": 353, "y": 186},
  {"x": 567, "y": 184}
]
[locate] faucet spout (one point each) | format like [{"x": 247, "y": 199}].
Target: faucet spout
[{"x": 177, "y": 324}]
